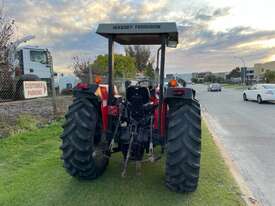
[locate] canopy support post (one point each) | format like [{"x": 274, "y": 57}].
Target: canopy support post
[
  {"x": 110, "y": 68},
  {"x": 161, "y": 79}
]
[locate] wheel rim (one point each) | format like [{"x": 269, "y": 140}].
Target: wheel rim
[
  {"x": 244, "y": 97},
  {"x": 259, "y": 99}
]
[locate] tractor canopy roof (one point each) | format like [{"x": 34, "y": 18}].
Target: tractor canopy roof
[{"x": 140, "y": 33}]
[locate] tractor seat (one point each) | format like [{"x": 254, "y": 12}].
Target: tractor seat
[
  {"x": 138, "y": 94},
  {"x": 138, "y": 101}
]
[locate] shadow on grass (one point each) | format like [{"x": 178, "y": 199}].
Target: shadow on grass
[{"x": 111, "y": 189}]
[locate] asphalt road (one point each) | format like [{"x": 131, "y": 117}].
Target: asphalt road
[{"x": 247, "y": 131}]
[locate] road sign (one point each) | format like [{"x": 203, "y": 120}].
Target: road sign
[{"x": 33, "y": 89}]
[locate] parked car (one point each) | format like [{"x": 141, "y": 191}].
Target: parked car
[
  {"x": 260, "y": 93},
  {"x": 67, "y": 91},
  {"x": 215, "y": 87}
]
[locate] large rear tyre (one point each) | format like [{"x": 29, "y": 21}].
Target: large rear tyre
[
  {"x": 81, "y": 142},
  {"x": 184, "y": 148}
]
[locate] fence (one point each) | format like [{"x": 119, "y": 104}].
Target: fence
[
  {"x": 7, "y": 84},
  {"x": 11, "y": 87},
  {"x": 11, "y": 90}
]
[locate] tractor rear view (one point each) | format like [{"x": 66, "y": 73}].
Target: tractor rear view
[{"x": 100, "y": 122}]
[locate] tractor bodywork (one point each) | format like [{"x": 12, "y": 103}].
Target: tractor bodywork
[{"x": 100, "y": 122}]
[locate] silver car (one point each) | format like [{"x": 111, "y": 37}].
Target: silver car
[{"x": 215, "y": 87}]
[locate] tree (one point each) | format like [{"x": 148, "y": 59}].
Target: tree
[
  {"x": 124, "y": 66},
  {"x": 235, "y": 73},
  {"x": 142, "y": 55},
  {"x": 149, "y": 71},
  {"x": 7, "y": 35},
  {"x": 81, "y": 66},
  {"x": 194, "y": 80},
  {"x": 269, "y": 76},
  {"x": 210, "y": 78},
  {"x": 220, "y": 80}
]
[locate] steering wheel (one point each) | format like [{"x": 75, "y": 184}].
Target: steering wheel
[
  {"x": 144, "y": 80},
  {"x": 150, "y": 86}
]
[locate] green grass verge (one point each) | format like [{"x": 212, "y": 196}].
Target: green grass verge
[
  {"x": 235, "y": 86},
  {"x": 31, "y": 173}
]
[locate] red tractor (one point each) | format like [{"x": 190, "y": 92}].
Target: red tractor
[{"x": 100, "y": 123}]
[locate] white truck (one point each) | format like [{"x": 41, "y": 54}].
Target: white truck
[
  {"x": 33, "y": 61},
  {"x": 28, "y": 63},
  {"x": 33, "y": 64}
]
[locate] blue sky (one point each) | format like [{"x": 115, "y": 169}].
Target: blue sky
[{"x": 212, "y": 32}]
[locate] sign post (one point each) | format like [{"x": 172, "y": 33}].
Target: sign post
[{"x": 34, "y": 89}]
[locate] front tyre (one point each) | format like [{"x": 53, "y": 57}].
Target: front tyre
[
  {"x": 184, "y": 148},
  {"x": 259, "y": 99},
  {"x": 81, "y": 148},
  {"x": 245, "y": 97}
]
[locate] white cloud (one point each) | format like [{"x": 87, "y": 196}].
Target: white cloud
[{"x": 210, "y": 29}]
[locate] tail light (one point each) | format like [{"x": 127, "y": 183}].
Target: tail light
[
  {"x": 178, "y": 91},
  {"x": 82, "y": 86}
]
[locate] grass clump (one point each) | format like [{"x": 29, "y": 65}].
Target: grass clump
[
  {"x": 23, "y": 123},
  {"x": 26, "y": 122}
]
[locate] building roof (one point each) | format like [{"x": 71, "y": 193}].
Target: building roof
[{"x": 140, "y": 33}]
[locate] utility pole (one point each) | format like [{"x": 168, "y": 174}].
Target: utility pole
[{"x": 243, "y": 71}]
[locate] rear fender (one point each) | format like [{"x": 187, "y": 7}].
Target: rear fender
[
  {"x": 91, "y": 92},
  {"x": 98, "y": 94},
  {"x": 88, "y": 91},
  {"x": 179, "y": 93},
  {"x": 176, "y": 97}
]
